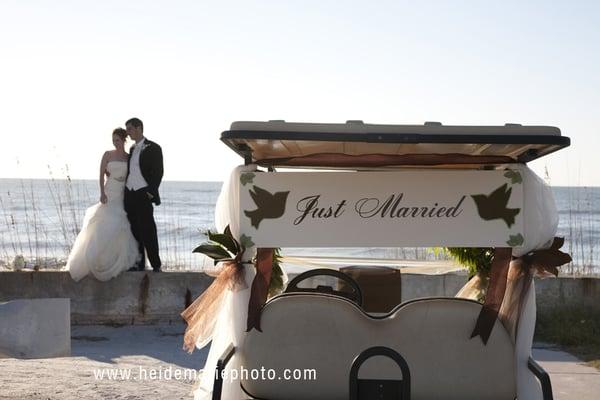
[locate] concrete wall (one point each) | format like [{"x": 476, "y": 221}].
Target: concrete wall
[
  {"x": 417, "y": 285},
  {"x": 551, "y": 293},
  {"x": 567, "y": 292},
  {"x": 146, "y": 297},
  {"x": 35, "y": 328},
  {"x": 130, "y": 298}
]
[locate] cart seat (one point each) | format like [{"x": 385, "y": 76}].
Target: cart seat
[{"x": 325, "y": 333}]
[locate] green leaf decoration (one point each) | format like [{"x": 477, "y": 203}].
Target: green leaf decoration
[
  {"x": 224, "y": 240},
  {"x": 515, "y": 240},
  {"x": 213, "y": 250},
  {"x": 514, "y": 176},
  {"x": 220, "y": 246},
  {"x": 247, "y": 178},
  {"x": 246, "y": 241},
  {"x": 224, "y": 247}
]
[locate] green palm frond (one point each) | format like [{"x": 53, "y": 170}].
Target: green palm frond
[{"x": 476, "y": 259}]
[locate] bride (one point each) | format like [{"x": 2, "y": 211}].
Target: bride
[{"x": 105, "y": 246}]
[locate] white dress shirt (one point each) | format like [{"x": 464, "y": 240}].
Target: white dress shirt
[{"x": 135, "y": 180}]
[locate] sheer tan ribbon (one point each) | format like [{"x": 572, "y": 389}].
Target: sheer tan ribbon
[{"x": 201, "y": 316}]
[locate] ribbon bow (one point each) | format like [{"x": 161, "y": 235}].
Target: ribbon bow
[
  {"x": 547, "y": 260},
  {"x": 543, "y": 262}
]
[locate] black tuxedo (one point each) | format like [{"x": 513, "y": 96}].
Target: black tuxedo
[
  {"x": 138, "y": 203},
  {"x": 151, "y": 165}
]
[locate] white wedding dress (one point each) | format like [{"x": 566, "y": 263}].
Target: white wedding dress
[{"x": 105, "y": 247}]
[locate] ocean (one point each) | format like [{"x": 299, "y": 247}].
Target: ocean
[{"x": 39, "y": 219}]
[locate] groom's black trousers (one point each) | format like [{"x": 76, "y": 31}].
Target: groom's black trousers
[{"x": 140, "y": 213}]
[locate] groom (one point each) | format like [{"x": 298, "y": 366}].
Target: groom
[{"x": 144, "y": 173}]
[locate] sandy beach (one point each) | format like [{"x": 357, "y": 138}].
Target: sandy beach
[
  {"x": 158, "y": 348},
  {"x": 148, "y": 352}
]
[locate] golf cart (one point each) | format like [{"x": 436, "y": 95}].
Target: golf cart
[{"x": 361, "y": 185}]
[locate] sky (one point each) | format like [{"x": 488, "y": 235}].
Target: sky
[{"x": 72, "y": 71}]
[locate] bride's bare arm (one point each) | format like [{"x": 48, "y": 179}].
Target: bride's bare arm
[{"x": 103, "y": 172}]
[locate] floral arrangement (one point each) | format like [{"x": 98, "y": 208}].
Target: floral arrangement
[{"x": 223, "y": 247}]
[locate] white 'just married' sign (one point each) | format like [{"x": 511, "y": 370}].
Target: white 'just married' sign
[{"x": 383, "y": 209}]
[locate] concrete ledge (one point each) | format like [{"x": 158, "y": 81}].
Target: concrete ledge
[
  {"x": 146, "y": 297},
  {"x": 35, "y": 328},
  {"x": 130, "y": 298},
  {"x": 567, "y": 292},
  {"x": 446, "y": 285},
  {"x": 564, "y": 292}
]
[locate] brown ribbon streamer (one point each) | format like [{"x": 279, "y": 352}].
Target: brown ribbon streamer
[
  {"x": 495, "y": 294},
  {"x": 260, "y": 287},
  {"x": 522, "y": 270},
  {"x": 516, "y": 284},
  {"x": 201, "y": 316}
]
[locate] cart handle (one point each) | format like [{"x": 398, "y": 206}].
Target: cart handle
[
  {"x": 380, "y": 351},
  {"x": 542, "y": 376},
  {"x": 221, "y": 364}
]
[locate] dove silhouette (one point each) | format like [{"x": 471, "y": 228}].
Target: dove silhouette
[
  {"x": 493, "y": 206},
  {"x": 268, "y": 205}
]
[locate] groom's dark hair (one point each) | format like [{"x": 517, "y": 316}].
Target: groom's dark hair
[{"x": 136, "y": 123}]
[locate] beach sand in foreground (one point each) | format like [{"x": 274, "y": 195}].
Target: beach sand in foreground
[
  {"x": 158, "y": 347},
  {"x": 140, "y": 349}
]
